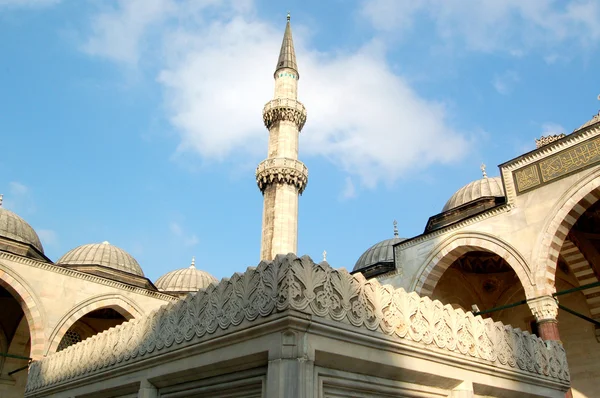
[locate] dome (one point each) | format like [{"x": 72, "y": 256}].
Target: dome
[
  {"x": 475, "y": 190},
  {"x": 188, "y": 279},
  {"x": 15, "y": 228},
  {"x": 380, "y": 253},
  {"x": 590, "y": 122},
  {"x": 103, "y": 254}
]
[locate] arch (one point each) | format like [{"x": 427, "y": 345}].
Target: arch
[
  {"x": 574, "y": 202},
  {"x": 30, "y": 305},
  {"x": 117, "y": 302},
  {"x": 444, "y": 254}
]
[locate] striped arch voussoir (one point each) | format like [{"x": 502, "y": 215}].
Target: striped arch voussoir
[
  {"x": 117, "y": 303},
  {"x": 558, "y": 229},
  {"x": 33, "y": 312},
  {"x": 460, "y": 245}
]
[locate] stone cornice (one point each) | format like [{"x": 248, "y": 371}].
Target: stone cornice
[
  {"x": 87, "y": 277},
  {"x": 550, "y": 149},
  {"x": 298, "y": 284},
  {"x": 283, "y": 171},
  {"x": 284, "y": 109},
  {"x": 453, "y": 227}
]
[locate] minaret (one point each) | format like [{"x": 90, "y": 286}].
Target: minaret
[{"x": 282, "y": 177}]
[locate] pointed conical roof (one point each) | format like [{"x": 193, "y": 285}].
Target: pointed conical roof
[{"x": 287, "y": 55}]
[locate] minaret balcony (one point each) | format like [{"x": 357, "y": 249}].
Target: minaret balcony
[
  {"x": 284, "y": 109},
  {"x": 283, "y": 171}
]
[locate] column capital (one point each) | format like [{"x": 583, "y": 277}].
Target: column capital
[{"x": 543, "y": 308}]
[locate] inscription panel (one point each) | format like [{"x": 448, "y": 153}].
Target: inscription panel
[{"x": 562, "y": 164}]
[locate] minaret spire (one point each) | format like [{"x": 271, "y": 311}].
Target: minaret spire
[
  {"x": 281, "y": 177},
  {"x": 287, "y": 54}
]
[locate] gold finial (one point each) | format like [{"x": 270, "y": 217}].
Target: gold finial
[
  {"x": 482, "y": 167},
  {"x": 193, "y": 265},
  {"x": 324, "y": 255},
  {"x": 395, "y": 228},
  {"x": 288, "y": 16}
]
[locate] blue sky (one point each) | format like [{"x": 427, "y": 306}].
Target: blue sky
[{"x": 139, "y": 121}]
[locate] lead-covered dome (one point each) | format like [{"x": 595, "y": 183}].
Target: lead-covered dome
[
  {"x": 379, "y": 253},
  {"x": 185, "y": 280},
  {"x": 475, "y": 190},
  {"x": 103, "y": 254},
  {"x": 15, "y": 228}
]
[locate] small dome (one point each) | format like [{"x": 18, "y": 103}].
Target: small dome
[
  {"x": 103, "y": 254},
  {"x": 592, "y": 121},
  {"x": 475, "y": 190},
  {"x": 14, "y": 227},
  {"x": 380, "y": 253},
  {"x": 185, "y": 280}
]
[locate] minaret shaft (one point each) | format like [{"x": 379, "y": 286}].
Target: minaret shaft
[{"x": 282, "y": 177}]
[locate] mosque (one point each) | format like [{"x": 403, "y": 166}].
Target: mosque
[{"x": 498, "y": 297}]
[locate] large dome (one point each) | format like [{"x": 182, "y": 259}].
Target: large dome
[
  {"x": 103, "y": 254},
  {"x": 184, "y": 280},
  {"x": 475, "y": 190},
  {"x": 15, "y": 228},
  {"x": 380, "y": 253}
]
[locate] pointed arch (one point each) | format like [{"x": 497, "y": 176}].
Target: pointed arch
[
  {"x": 31, "y": 306},
  {"x": 574, "y": 202},
  {"x": 117, "y": 302},
  {"x": 445, "y": 253}
]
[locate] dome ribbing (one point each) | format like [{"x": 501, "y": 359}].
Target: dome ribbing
[
  {"x": 475, "y": 190},
  {"x": 14, "y": 227},
  {"x": 185, "y": 280},
  {"x": 103, "y": 254}
]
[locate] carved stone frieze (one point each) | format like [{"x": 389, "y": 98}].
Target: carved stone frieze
[
  {"x": 284, "y": 109},
  {"x": 548, "y": 139},
  {"x": 283, "y": 171},
  {"x": 543, "y": 308},
  {"x": 292, "y": 283}
]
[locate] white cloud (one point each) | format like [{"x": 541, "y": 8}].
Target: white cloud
[
  {"x": 118, "y": 33},
  {"x": 508, "y": 25},
  {"x": 504, "y": 82},
  {"x": 187, "y": 239},
  {"x": 218, "y": 74}
]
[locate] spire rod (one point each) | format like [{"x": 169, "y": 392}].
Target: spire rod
[
  {"x": 324, "y": 255},
  {"x": 1, "y": 197},
  {"x": 395, "y": 228},
  {"x": 482, "y": 167},
  {"x": 193, "y": 265},
  {"x": 288, "y": 16}
]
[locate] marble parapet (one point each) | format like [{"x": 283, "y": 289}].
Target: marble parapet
[{"x": 297, "y": 284}]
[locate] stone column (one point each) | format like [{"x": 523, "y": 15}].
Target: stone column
[
  {"x": 463, "y": 390},
  {"x": 290, "y": 371},
  {"x": 545, "y": 311},
  {"x": 147, "y": 390}
]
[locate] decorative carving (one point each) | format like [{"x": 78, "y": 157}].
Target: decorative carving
[
  {"x": 284, "y": 109},
  {"x": 559, "y": 165},
  {"x": 282, "y": 170},
  {"x": 543, "y": 308},
  {"x": 296, "y": 283},
  {"x": 548, "y": 139},
  {"x": 527, "y": 177},
  {"x": 575, "y": 158}
]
